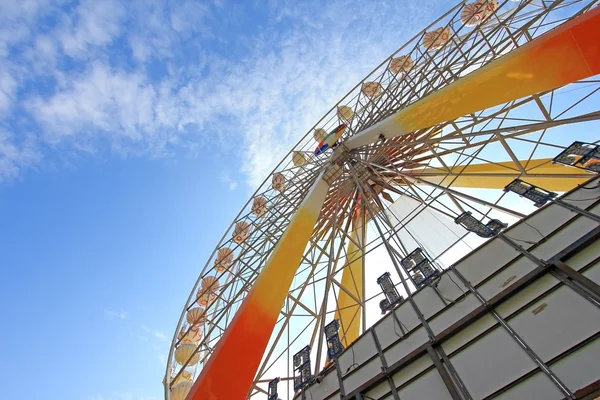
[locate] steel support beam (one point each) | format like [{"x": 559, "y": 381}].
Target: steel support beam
[{"x": 448, "y": 382}]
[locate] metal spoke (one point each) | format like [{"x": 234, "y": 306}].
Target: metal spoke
[{"x": 430, "y": 169}]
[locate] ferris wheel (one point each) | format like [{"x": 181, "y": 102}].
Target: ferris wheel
[{"x": 492, "y": 93}]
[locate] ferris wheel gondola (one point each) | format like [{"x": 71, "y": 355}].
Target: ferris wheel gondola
[{"x": 475, "y": 100}]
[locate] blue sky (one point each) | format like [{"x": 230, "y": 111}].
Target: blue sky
[{"x": 130, "y": 135}]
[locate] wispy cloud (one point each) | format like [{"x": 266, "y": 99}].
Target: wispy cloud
[
  {"x": 101, "y": 103},
  {"x": 121, "y": 314},
  {"x": 93, "y": 24},
  {"x": 139, "y": 79},
  {"x": 16, "y": 154},
  {"x": 230, "y": 183},
  {"x": 8, "y": 85},
  {"x": 154, "y": 333},
  {"x": 156, "y": 340},
  {"x": 162, "y": 359}
]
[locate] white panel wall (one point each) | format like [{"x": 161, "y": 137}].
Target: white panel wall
[
  {"x": 581, "y": 368},
  {"x": 469, "y": 333},
  {"x": 427, "y": 386},
  {"x": 450, "y": 286},
  {"x": 527, "y": 295},
  {"x": 379, "y": 391},
  {"x": 506, "y": 277},
  {"x": 387, "y": 329},
  {"x": 361, "y": 375},
  {"x": 483, "y": 262},
  {"x": 552, "y": 216},
  {"x": 583, "y": 258},
  {"x": 428, "y": 302},
  {"x": 490, "y": 363},
  {"x": 564, "y": 237},
  {"x": 546, "y": 220},
  {"x": 593, "y": 273},
  {"x": 538, "y": 386},
  {"x": 477, "y": 267},
  {"x": 363, "y": 349},
  {"x": 581, "y": 194},
  {"x": 453, "y": 313},
  {"x": 406, "y": 345},
  {"x": 566, "y": 320},
  {"x": 416, "y": 367},
  {"x": 328, "y": 385}
]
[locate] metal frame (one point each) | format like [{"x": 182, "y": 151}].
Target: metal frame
[
  {"x": 488, "y": 307},
  {"x": 447, "y": 156}
]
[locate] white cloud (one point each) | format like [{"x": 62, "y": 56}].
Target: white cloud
[
  {"x": 141, "y": 49},
  {"x": 121, "y": 314},
  {"x": 16, "y": 21},
  {"x": 157, "y": 341},
  {"x": 8, "y": 87},
  {"x": 254, "y": 104},
  {"x": 288, "y": 83},
  {"x": 230, "y": 183},
  {"x": 114, "y": 104},
  {"x": 45, "y": 47},
  {"x": 153, "y": 36},
  {"x": 96, "y": 23},
  {"x": 154, "y": 333},
  {"x": 162, "y": 359},
  {"x": 16, "y": 155},
  {"x": 187, "y": 16}
]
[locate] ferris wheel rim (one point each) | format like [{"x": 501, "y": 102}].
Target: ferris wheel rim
[
  {"x": 258, "y": 191},
  {"x": 275, "y": 169}
]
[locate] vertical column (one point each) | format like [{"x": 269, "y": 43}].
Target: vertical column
[{"x": 349, "y": 310}]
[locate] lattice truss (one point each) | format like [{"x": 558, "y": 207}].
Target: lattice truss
[{"x": 444, "y": 170}]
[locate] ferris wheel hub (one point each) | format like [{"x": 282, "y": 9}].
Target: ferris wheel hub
[
  {"x": 413, "y": 138},
  {"x": 340, "y": 155}
]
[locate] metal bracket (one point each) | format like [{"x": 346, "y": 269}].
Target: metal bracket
[
  {"x": 379, "y": 351},
  {"x": 444, "y": 374},
  {"x": 578, "y": 210},
  {"x": 577, "y": 281},
  {"x": 340, "y": 380}
]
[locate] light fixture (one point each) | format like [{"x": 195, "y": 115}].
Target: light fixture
[
  {"x": 418, "y": 267},
  {"x": 272, "y": 394},
  {"x": 390, "y": 292},
  {"x": 302, "y": 373},
  {"x": 384, "y": 305},
  {"x": 334, "y": 345},
  {"x": 472, "y": 224},
  {"x": 580, "y": 155},
  {"x": 531, "y": 192}
]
